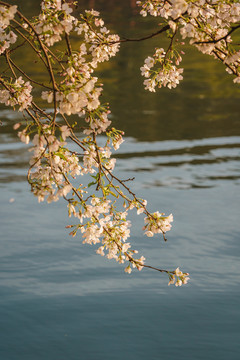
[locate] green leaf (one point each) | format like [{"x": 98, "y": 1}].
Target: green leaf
[
  {"x": 92, "y": 183},
  {"x": 112, "y": 193}
]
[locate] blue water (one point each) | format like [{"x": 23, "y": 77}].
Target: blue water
[{"x": 59, "y": 300}]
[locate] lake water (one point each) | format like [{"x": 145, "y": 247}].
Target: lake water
[{"x": 61, "y": 301}]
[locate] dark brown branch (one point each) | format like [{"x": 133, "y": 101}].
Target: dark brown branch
[
  {"x": 214, "y": 41},
  {"x": 68, "y": 44},
  {"x": 163, "y": 29},
  {"x": 9, "y": 63},
  {"x": 24, "y": 74}
]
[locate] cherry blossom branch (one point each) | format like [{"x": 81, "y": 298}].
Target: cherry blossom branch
[{"x": 76, "y": 90}]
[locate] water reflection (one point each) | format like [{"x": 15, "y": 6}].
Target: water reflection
[
  {"x": 179, "y": 164},
  {"x": 182, "y": 165}
]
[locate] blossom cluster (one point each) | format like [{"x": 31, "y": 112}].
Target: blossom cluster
[
  {"x": 103, "y": 45},
  {"x": 108, "y": 227},
  {"x": 166, "y": 74},
  {"x": 178, "y": 278},
  {"x": 157, "y": 223},
  {"x": 17, "y": 93},
  {"x": 208, "y": 25},
  {"x": 7, "y": 37},
  {"x": 50, "y": 157},
  {"x": 54, "y": 21},
  {"x": 79, "y": 93}
]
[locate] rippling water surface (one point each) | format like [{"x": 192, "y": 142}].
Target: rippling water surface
[{"x": 59, "y": 300}]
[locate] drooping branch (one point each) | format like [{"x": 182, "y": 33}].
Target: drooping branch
[{"x": 75, "y": 90}]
